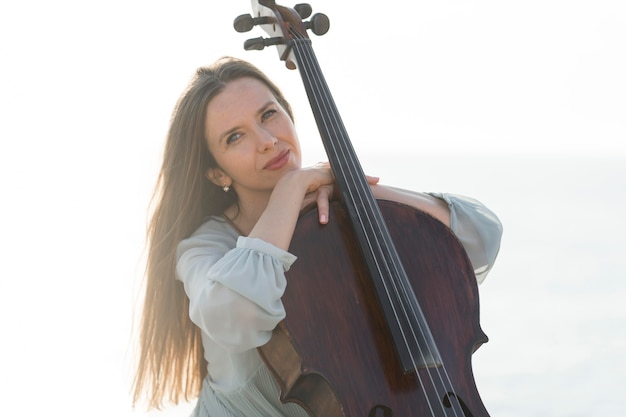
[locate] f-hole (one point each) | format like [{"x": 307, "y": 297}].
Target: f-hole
[
  {"x": 380, "y": 411},
  {"x": 452, "y": 397}
]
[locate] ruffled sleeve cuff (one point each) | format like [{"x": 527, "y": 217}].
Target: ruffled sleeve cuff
[
  {"x": 478, "y": 229},
  {"x": 286, "y": 259}
]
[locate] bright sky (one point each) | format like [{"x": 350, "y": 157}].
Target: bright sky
[{"x": 86, "y": 91}]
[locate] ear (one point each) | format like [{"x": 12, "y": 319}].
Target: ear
[{"x": 218, "y": 177}]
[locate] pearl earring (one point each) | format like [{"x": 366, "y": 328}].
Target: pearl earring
[{"x": 226, "y": 188}]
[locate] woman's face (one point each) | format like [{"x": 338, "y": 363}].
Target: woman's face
[{"x": 251, "y": 137}]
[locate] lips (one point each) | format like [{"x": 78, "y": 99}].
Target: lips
[{"x": 278, "y": 161}]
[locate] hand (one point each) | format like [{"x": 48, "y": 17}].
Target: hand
[
  {"x": 322, "y": 195},
  {"x": 320, "y": 190}
]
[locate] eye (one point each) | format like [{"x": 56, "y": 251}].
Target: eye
[
  {"x": 232, "y": 138},
  {"x": 267, "y": 114}
]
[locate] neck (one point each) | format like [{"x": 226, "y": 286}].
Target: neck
[{"x": 247, "y": 212}]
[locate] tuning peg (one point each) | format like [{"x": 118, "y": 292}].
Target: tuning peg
[
  {"x": 245, "y": 22},
  {"x": 303, "y": 9},
  {"x": 260, "y": 43},
  {"x": 319, "y": 24}
]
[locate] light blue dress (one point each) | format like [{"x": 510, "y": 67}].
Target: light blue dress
[{"x": 235, "y": 284}]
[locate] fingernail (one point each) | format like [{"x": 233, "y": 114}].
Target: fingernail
[{"x": 323, "y": 218}]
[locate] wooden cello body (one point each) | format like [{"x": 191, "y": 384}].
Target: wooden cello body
[
  {"x": 382, "y": 304},
  {"x": 333, "y": 353}
]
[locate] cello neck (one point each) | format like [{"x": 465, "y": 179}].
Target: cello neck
[{"x": 347, "y": 169}]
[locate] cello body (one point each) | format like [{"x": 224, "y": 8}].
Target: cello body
[{"x": 333, "y": 353}]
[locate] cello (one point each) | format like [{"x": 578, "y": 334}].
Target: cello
[{"x": 382, "y": 304}]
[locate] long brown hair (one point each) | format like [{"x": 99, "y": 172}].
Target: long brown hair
[{"x": 171, "y": 364}]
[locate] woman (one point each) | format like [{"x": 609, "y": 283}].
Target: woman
[{"x": 228, "y": 198}]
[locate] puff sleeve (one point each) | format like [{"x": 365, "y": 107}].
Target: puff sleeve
[
  {"x": 234, "y": 285},
  {"x": 478, "y": 229}
]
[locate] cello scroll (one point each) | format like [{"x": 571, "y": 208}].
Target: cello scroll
[{"x": 280, "y": 23}]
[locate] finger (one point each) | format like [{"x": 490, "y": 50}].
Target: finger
[
  {"x": 322, "y": 204},
  {"x": 372, "y": 180}
]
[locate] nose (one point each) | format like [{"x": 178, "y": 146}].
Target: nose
[{"x": 266, "y": 139}]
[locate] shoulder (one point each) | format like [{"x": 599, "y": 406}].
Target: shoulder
[
  {"x": 214, "y": 233},
  {"x": 215, "y": 225}
]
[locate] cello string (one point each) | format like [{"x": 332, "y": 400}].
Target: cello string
[
  {"x": 356, "y": 175},
  {"x": 356, "y": 179}
]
